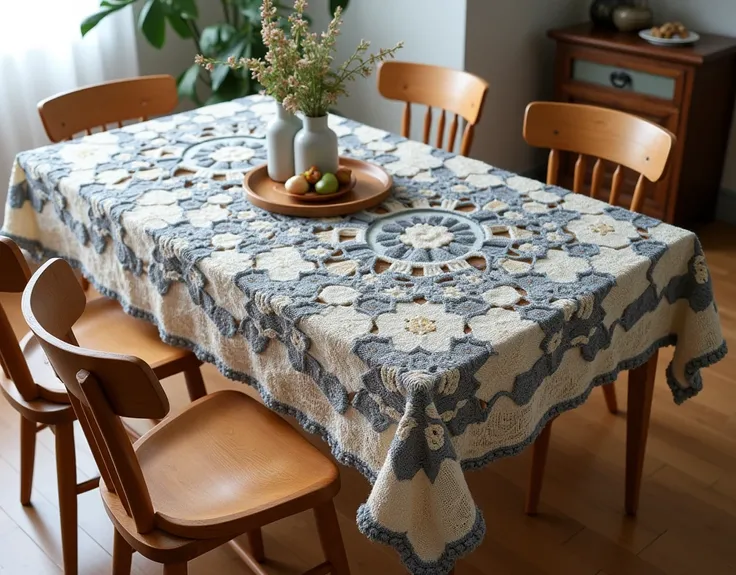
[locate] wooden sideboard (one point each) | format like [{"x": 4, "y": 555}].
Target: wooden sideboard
[{"x": 689, "y": 90}]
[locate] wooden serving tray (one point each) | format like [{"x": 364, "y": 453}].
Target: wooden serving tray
[{"x": 373, "y": 185}]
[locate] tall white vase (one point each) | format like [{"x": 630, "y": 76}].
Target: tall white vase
[
  {"x": 280, "y": 144},
  {"x": 316, "y": 145}
]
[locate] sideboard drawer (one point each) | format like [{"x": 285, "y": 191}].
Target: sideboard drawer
[{"x": 628, "y": 79}]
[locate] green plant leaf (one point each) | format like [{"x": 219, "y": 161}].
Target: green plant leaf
[
  {"x": 252, "y": 14},
  {"x": 215, "y": 38},
  {"x": 220, "y": 73},
  {"x": 334, "y": 4},
  {"x": 179, "y": 25},
  {"x": 186, "y": 8},
  {"x": 218, "y": 76},
  {"x": 216, "y": 98},
  {"x": 234, "y": 86},
  {"x": 152, "y": 22},
  {"x": 187, "y": 84},
  {"x": 108, "y": 8}
]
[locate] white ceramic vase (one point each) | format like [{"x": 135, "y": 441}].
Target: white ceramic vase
[
  {"x": 280, "y": 136},
  {"x": 316, "y": 145}
]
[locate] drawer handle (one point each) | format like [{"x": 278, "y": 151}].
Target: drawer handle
[{"x": 621, "y": 80}]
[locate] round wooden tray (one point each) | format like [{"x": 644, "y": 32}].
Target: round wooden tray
[
  {"x": 315, "y": 198},
  {"x": 373, "y": 185}
]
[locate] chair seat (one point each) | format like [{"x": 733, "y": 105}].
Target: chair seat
[
  {"x": 39, "y": 410},
  {"x": 227, "y": 462},
  {"x": 105, "y": 326}
]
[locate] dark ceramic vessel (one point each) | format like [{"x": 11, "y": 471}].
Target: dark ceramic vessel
[{"x": 601, "y": 12}]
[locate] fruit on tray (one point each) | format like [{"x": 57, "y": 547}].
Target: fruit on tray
[
  {"x": 313, "y": 175},
  {"x": 314, "y": 181},
  {"x": 670, "y": 30},
  {"x": 327, "y": 185},
  {"x": 297, "y": 185},
  {"x": 344, "y": 176}
]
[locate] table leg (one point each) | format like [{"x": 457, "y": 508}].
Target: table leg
[
  {"x": 539, "y": 461},
  {"x": 641, "y": 390}
]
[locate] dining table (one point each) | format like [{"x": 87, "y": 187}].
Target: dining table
[{"x": 421, "y": 339}]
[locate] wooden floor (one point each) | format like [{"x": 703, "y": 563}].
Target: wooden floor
[{"x": 686, "y": 525}]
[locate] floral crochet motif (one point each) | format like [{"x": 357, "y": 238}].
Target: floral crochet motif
[{"x": 420, "y": 325}]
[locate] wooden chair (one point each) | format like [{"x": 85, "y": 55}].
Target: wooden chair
[
  {"x": 31, "y": 387},
  {"x": 459, "y": 93},
  {"x": 111, "y": 103},
  {"x": 222, "y": 467},
  {"x": 608, "y": 136}
]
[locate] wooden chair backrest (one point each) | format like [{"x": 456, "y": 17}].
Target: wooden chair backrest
[
  {"x": 605, "y": 134},
  {"x": 110, "y": 103},
  {"x": 103, "y": 387},
  {"x": 14, "y": 274},
  {"x": 460, "y": 93}
]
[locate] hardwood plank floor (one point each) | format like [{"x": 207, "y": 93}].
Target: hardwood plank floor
[{"x": 686, "y": 525}]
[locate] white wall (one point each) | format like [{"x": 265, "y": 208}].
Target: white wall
[
  {"x": 507, "y": 45},
  {"x": 433, "y": 32},
  {"x": 716, "y": 17}
]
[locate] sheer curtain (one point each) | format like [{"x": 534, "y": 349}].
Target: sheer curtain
[{"x": 42, "y": 53}]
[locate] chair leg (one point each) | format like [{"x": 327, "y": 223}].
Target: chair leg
[
  {"x": 122, "y": 555},
  {"x": 331, "y": 538},
  {"x": 255, "y": 542},
  {"x": 195, "y": 383},
  {"x": 641, "y": 391},
  {"x": 609, "y": 391},
  {"x": 66, "y": 477},
  {"x": 539, "y": 461},
  {"x": 175, "y": 569},
  {"x": 27, "y": 458}
]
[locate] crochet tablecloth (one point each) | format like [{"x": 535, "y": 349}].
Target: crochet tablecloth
[{"x": 422, "y": 339}]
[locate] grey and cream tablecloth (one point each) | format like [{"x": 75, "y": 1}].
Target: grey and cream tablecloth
[{"x": 421, "y": 340}]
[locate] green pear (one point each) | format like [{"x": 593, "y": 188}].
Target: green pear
[{"x": 327, "y": 185}]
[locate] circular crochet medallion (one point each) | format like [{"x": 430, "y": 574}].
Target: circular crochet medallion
[
  {"x": 425, "y": 236},
  {"x": 231, "y": 153}
]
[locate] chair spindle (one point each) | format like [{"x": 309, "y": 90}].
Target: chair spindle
[
  {"x": 637, "y": 202},
  {"x": 618, "y": 178},
  {"x": 597, "y": 177},
  {"x": 453, "y": 133},
  {"x": 441, "y": 132},
  {"x": 406, "y": 122},
  {"x": 579, "y": 174},
  {"x": 553, "y": 167},
  {"x": 467, "y": 139},
  {"x": 427, "y": 124}
]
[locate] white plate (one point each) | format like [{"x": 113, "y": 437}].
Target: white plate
[{"x": 691, "y": 39}]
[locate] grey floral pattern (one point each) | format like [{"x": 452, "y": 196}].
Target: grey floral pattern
[
  {"x": 423, "y": 338},
  {"x": 425, "y": 237},
  {"x": 226, "y": 154}
]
